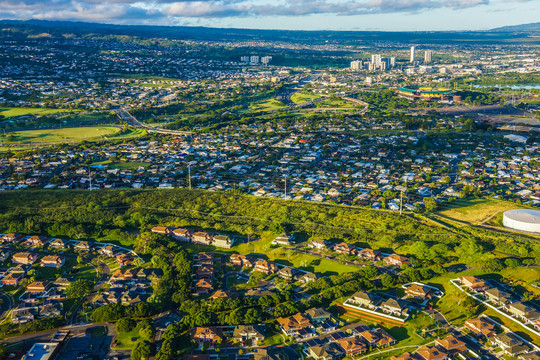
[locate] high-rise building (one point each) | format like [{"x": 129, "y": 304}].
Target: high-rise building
[
  {"x": 392, "y": 61},
  {"x": 254, "y": 59},
  {"x": 412, "y": 54},
  {"x": 376, "y": 60},
  {"x": 428, "y": 54},
  {"x": 266, "y": 60},
  {"x": 244, "y": 59},
  {"x": 356, "y": 65}
]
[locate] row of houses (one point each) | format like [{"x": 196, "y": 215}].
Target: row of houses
[
  {"x": 244, "y": 335},
  {"x": 362, "y": 253},
  {"x": 508, "y": 302},
  {"x": 195, "y": 237},
  {"x": 379, "y": 303},
  {"x": 339, "y": 344}
]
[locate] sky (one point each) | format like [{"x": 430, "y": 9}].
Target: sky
[{"x": 386, "y": 15}]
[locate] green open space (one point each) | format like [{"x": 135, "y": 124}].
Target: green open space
[
  {"x": 63, "y": 135},
  {"x": 122, "y": 165},
  {"x": 16, "y": 111},
  {"x": 299, "y": 97},
  {"x": 267, "y": 105},
  {"x": 475, "y": 211},
  {"x": 126, "y": 340}
]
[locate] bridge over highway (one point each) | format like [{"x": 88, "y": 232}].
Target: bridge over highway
[{"x": 126, "y": 116}]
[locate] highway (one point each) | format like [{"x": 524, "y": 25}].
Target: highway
[{"x": 126, "y": 116}]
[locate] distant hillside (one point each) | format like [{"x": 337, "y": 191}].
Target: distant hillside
[
  {"x": 16, "y": 29},
  {"x": 533, "y": 27}
]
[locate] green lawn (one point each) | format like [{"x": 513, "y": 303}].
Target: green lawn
[
  {"x": 64, "y": 134},
  {"x": 122, "y": 165},
  {"x": 268, "y": 105},
  {"x": 14, "y": 112},
  {"x": 299, "y": 98},
  {"x": 126, "y": 340}
]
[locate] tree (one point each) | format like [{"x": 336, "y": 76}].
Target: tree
[
  {"x": 79, "y": 289},
  {"x": 512, "y": 262},
  {"x": 143, "y": 350},
  {"x": 430, "y": 203},
  {"x": 125, "y": 325}
]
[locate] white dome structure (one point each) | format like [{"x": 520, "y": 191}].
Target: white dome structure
[{"x": 523, "y": 220}]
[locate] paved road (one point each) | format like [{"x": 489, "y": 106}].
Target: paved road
[
  {"x": 47, "y": 334},
  {"x": 125, "y": 115}
]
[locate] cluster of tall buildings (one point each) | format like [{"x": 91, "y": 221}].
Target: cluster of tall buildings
[
  {"x": 428, "y": 55},
  {"x": 255, "y": 59},
  {"x": 379, "y": 63}
]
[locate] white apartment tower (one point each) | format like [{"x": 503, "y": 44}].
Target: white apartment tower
[{"x": 412, "y": 54}]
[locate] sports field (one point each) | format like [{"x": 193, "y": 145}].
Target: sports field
[{"x": 14, "y": 112}]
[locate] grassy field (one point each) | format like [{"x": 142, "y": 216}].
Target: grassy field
[
  {"x": 268, "y": 105},
  {"x": 122, "y": 165},
  {"x": 335, "y": 103},
  {"x": 475, "y": 211},
  {"x": 299, "y": 98},
  {"x": 64, "y": 134},
  {"x": 126, "y": 340},
  {"x": 14, "y": 112}
]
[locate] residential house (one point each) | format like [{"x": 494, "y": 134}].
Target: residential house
[
  {"x": 161, "y": 230},
  {"x": 125, "y": 259},
  {"x": 38, "y": 287},
  {"x": 108, "y": 250},
  {"x": 345, "y": 248},
  {"x": 510, "y": 343},
  {"x": 291, "y": 325},
  {"x": 451, "y": 345},
  {"x": 55, "y": 261},
  {"x": 287, "y": 273},
  {"x": 498, "y": 296},
  {"x": 431, "y": 353},
  {"x": 202, "y": 238},
  {"x": 242, "y": 260},
  {"x": 474, "y": 283},
  {"x": 23, "y": 314},
  {"x": 324, "y": 352},
  {"x": 36, "y": 241},
  {"x": 58, "y": 244},
  {"x": 318, "y": 315},
  {"x": 83, "y": 246},
  {"x": 397, "y": 260},
  {"x": 248, "y": 335},
  {"x": 376, "y": 338},
  {"x": 221, "y": 294},
  {"x": 318, "y": 244},
  {"x": 25, "y": 258},
  {"x": 182, "y": 235},
  {"x": 204, "y": 271},
  {"x": 394, "y": 307},
  {"x": 370, "y": 254},
  {"x": 203, "y": 286},
  {"x": 204, "y": 258},
  {"x": 4, "y": 254},
  {"x": 352, "y": 346},
  {"x": 283, "y": 239},
  {"x": 418, "y": 291},
  {"x": 265, "y": 266},
  {"x": 206, "y": 335},
  {"x": 535, "y": 355},
  {"x": 480, "y": 326},
  {"x": 364, "y": 299},
  {"x": 222, "y": 241},
  {"x": 12, "y": 279},
  {"x": 62, "y": 283},
  {"x": 307, "y": 278},
  {"x": 523, "y": 311},
  {"x": 11, "y": 238},
  {"x": 265, "y": 354}
]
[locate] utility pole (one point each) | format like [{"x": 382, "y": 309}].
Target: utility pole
[
  {"x": 401, "y": 204},
  {"x": 189, "y": 176}
]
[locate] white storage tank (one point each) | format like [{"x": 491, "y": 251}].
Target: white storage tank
[{"x": 523, "y": 220}]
